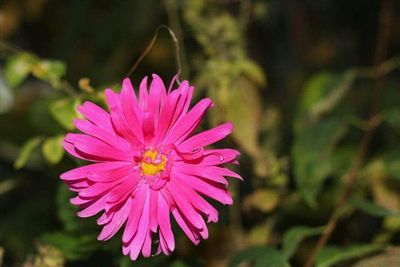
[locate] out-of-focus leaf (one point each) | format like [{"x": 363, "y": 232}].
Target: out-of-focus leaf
[
  {"x": 64, "y": 111},
  {"x": 264, "y": 200},
  {"x": 18, "y": 67},
  {"x": 50, "y": 71},
  {"x": 312, "y": 151},
  {"x": 253, "y": 71},
  {"x": 370, "y": 207},
  {"x": 392, "y": 164},
  {"x": 392, "y": 117},
  {"x": 390, "y": 257},
  {"x": 293, "y": 237},
  {"x": 178, "y": 263},
  {"x": 48, "y": 256},
  {"x": 6, "y": 96},
  {"x": 271, "y": 258},
  {"x": 244, "y": 111},
  {"x": 26, "y": 151},
  {"x": 329, "y": 256},
  {"x": 342, "y": 159},
  {"x": 52, "y": 149},
  {"x": 384, "y": 189},
  {"x": 66, "y": 211},
  {"x": 321, "y": 94},
  {"x": 261, "y": 233},
  {"x": 249, "y": 254},
  {"x": 72, "y": 247},
  {"x": 7, "y": 185},
  {"x": 392, "y": 223}
]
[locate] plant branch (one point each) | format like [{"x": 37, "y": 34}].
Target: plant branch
[
  {"x": 150, "y": 46},
  {"x": 349, "y": 179}
]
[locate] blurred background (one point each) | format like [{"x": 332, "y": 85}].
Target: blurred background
[{"x": 312, "y": 86}]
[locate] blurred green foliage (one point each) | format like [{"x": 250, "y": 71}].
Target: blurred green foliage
[{"x": 299, "y": 80}]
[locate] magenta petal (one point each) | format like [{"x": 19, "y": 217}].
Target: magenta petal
[
  {"x": 185, "y": 227},
  {"x": 185, "y": 126},
  {"x": 104, "y": 135},
  {"x": 147, "y": 165},
  {"x": 135, "y": 214},
  {"x": 143, "y": 229},
  {"x": 117, "y": 221},
  {"x": 186, "y": 208},
  {"x": 157, "y": 95},
  {"x": 143, "y": 94},
  {"x": 82, "y": 172},
  {"x": 207, "y": 137},
  {"x": 95, "y": 147},
  {"x": 214, "y": 191},
  {"x": 165, "y": 223},
  {"x": 96, "y": 114}
]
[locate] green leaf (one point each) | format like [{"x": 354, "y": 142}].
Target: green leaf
[
  {"x": 312, "y": 152},
  {"x": 246, "y": 255},
  {"x": 253, "y": 71},
  {"x": 321, "y": 94},
  {"x": 244, "y": 111},
  {"x": 26, "y": 151},
  {"x": 52, "y": 149},
  {"x": 329, "y": 256},
  {"x": 72, "y": 247},
  {"x": 6, "y": 96},
  {"x": 293, "y": 237},
  {"x": 263, "y": 256},
  {"x": 392, "y": 164},
  {"x": 390, "y": 257},
  {"x": 64, "y": 111},
  {"x": 50, "y": 71},
  {"x": 178, "y": 263},
  {"x": 18, "y": 68},
  {"x": 370, "y": 207},
  {"x": 271, "y": 258},
  {"x": 66, "y": 211}
]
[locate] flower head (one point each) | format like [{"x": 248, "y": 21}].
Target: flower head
[{"x": 147, "y": 163}]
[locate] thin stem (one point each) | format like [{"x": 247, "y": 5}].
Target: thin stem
[
  {"x": 349, "y": 178},
  {"x": 174, "y": 21},
  {"x": 150, "y": 46}
]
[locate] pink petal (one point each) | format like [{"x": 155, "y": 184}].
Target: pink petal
[
  {"x": 96, "y": 148},
  {"x": 118, "y": 119},
  {"x": 214, "y": 191},
  {"x": 121, "y": 191},
  {"x": 83, "y": 172},
  {"x": 207, "y": 137},
  {"x": 93, "y": 208},
  {"x": 135, "y": 214},
  {"x": 117, "y": 221},
  {"x": 165, "y": 223},
  {"x": 185, "y": 227},
  {"x": 96, "y": 114},
  {"x": 198, "y": 202},
  {"x": 206, "y": 172},
  {"x": 143, "y": 229},
  {"x": 148, "y": 126},
  {"x": 186, "y": 125},
  {"x": 131, "y": 109},
  {"x": 156, "y": 98},
  {"x": 104, "y": 135},
  {"x": 186, "y": 208},
  {"x": 143, "y": 95}
]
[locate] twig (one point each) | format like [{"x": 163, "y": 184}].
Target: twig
[
  {"x": 174, "y": 21},
  {"x": 150, "y": 46},
  {"x": 349, "y": 178}
]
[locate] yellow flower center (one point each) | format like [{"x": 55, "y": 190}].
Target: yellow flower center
[{"x": 151, "y": 164}]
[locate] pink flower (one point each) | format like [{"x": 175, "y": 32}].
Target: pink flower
[{"x": 147, "y": 164}]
